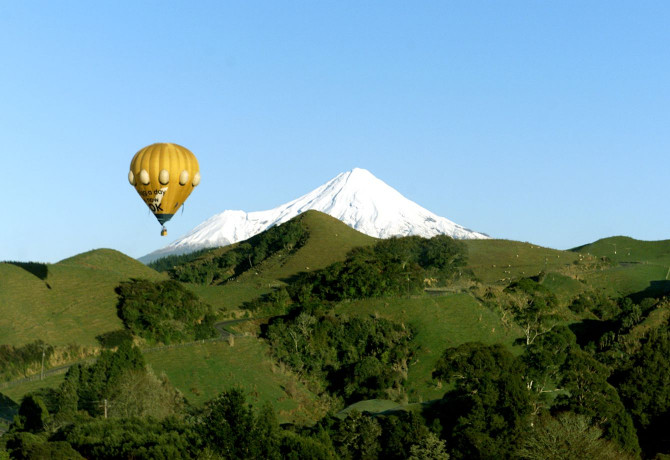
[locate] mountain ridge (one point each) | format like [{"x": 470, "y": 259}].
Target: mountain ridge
[{"x": 355, "y": 197}]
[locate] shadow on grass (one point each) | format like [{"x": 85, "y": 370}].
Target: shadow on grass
[
  {"x": 8, "y": 408},
  {"x": 37, "y": 269},
  {"x": 656, "y": 290},
  {"x": 114, "y": 339},
  {"x": 590, "y": 330}
]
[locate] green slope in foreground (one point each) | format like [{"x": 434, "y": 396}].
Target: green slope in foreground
[
  {"x": 202, "y": 371},
  {"x": 71, "y": 301},
  {"x": 438, "y": 322}
]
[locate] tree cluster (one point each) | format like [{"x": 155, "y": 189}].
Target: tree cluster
[
  {"x": 496, "y": 411},
  {"x": 51, "y": 422},
  {"x": 215, "y": 269},
  {"x": 166, "y": 263},
  {"x": 70, "y": 422},
  {"x": 392, "y": 267},
  {"x": 164, "y": 311},
  {"x": 355, "y": 358}
]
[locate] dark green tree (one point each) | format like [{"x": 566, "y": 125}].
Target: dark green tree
[
  {"x": 644, "y": 387},
  {"x": 357, "y": 437},
  {"x": 33, "y": 414},
  {"x": 164, "y": 311},
  {"x": 568, "y": 437},
  {"x": 544, "y": 359},
  {"x": 590, "y": 394},
  {"x": 488, "y": 411},
  {"x": 229, "y": 426},
  {"x": 533, "y": 307}
]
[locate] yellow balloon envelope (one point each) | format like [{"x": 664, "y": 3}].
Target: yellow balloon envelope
[{"x": 164, "y": 176}]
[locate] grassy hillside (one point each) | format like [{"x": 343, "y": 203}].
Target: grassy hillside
[
  {"x": 638, "y": 268},
  {"x": 493, "y": 261},
  {"x": 71, "y": 301},
  {"x": 201, "y": 372},
  {"x": 321, "y": 355},
  {"x": 438, "y": 322},
  {"x": 329, "y": 241},
  {"x": 624, "y": 249}
]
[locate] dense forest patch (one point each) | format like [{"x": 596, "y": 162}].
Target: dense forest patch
[
  {"x": 164, "y": 311},
  {"x": 215, "y": 269}
]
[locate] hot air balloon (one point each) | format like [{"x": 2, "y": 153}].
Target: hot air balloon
[{"x": 164, "y": 175}]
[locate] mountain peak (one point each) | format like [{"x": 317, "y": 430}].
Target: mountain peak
[
  {"x": 360, "y": 172},
  {"x": 356, "y": 197}
]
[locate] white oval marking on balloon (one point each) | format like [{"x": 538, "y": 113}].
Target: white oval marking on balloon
[
  {"x": 196, "y": 179},
  {"x": 131, "y": 178},
  {"x": 183, "y": 177},
  {"x": 164, "y": 177},
  {"x": 144, "y": 177}
]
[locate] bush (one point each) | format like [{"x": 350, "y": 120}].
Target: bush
[
  {"x": 164, "y": 312},
  {"x": 359, "y": 358},
  {"x": 18, "y": 361}
]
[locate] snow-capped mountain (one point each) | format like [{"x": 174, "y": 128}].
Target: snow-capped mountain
[{"x": 356, "y": 197}]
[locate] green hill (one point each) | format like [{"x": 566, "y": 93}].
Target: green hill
[
  {"x": 637, "y": 268},
  {"x": 202, "y": 371},
  {"x": 495, "y": 261},
  {"x": 71, "y": 301},
  {"x": 438, "y": 322},
  {"x": 304, "y": 370},
  {"x": 624, "y": 249},
  {"x": 328, "y": 241}
]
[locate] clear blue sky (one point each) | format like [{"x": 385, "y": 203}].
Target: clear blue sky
[{"x": 546, "y": 122}]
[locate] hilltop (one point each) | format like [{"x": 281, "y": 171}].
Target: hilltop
[
  {"x": 624, "y": 249},
  {"x": 71, "y": 301},
  {"x": 327, "y": 240}
]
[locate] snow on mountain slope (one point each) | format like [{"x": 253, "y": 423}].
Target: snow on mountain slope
[{"x": 356, "y": 197}]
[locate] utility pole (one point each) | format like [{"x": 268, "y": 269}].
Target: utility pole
[
  {"x": 42, "y": 371},
  {"x": 104, "y": 405}
]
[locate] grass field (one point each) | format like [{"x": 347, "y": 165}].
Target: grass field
[
  {"x": 329, "y": 241},
  {"x": 201, "y": 372},
  {"x": 374, "y": 406},
  {"x": 230, "y": 296},
  {"x": 629, "y": 279},
  {"x": 438, "y": 322},
  {"x": 17, "y": 392},
  {"x": 626, "y": 249},
  {"x": 493, "y": 261},
  {"x": 564, "y": 287},
  {"x": 72, "y": 301},
  {"x": 639, "y": 268}
]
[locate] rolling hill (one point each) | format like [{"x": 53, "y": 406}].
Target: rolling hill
[
  {"x": 328, "y": 241},
  {"x": 71, "y": 301}
]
